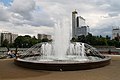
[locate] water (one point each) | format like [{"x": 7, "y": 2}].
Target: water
[
  {"x": 61, "y": 49},
  {"x": 61, "y": 39}
]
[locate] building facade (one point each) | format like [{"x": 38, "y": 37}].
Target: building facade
[
  {"x": 79, "y": 26},
  {"x": 14, "y": 36},
  {"x": 80, "y": 21},
  {"x": 74, "y": 23},
  {"x": 43, "y": 36},
  {"x": 83, "y": 30},
  {"x": 116, "y": 33},
  {"x": 7, "y": 36}
]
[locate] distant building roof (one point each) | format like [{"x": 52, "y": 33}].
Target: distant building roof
[{"x": 81, "y": 17}]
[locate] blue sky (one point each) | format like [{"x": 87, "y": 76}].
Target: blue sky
[{"x": 6, "y": 2}]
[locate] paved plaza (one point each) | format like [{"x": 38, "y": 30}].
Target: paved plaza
[{"x": 9, "y": 71}]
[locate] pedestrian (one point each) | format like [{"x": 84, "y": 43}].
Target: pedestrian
[{"x": 9, "y": 54}]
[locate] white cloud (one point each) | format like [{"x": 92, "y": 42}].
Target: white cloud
[
  {"x": 34, "y": 15},
  {"x": 25, "y": 29},
  {"x": 4, "y": 14},
  {"x": 113, "y": 14},
  {"x": 23, "y": 6},
  {"x": 104, "y": 27}
]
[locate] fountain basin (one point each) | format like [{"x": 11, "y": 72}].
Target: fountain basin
[
  {"x": 63, "y": 65},
  {"x": 78, "y": 56}
]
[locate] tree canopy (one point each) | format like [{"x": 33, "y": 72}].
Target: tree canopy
[
  {"x": 97, "y": 40},
  {"x": 28, "y": 41}
]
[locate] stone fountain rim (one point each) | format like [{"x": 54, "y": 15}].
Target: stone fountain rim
[
  {"x": 62, "y": 61},
  {"x": 63, "y": 67}
]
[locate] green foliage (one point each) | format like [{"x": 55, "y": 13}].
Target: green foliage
[
  {"x": 97, "y": 40},
  {"x": 6, "y": 44},
  {"x": 107, "y": 37},
  {"x": 19, "y": 41},
  {"x": 27, "y": 41},
  {"x": 73, "y": 40},
  {"x": 81, "y": 38},
  {"x": 45, "y": 40}
]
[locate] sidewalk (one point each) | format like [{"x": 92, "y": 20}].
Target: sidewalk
[{"x": 9, "y": 71}]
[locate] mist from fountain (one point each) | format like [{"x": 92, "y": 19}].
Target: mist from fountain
[
  {"x": 61, "y": 39},
  {"x": 61, "y": 49}
]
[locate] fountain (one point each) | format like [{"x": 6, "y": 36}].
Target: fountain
[{"x": 61, "y": 54}]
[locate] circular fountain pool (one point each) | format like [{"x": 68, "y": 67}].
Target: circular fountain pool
[{"x": 76, "y": 56}]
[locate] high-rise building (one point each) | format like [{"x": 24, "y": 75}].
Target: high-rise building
[
  {"x": 80, "y": 21},
  {"x": 83, "y": 30},
  {"x": 7, "y": 36},
  {"x": 79, "y": 26},
  {"x": 116, "y": 33},
  {"x": 74, "y": 23}
]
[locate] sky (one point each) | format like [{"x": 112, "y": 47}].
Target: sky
[{"x": 30, "y": 17}]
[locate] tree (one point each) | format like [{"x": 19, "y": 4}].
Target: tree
[
  {"x": 81, "y": 38},
  {"x": 107, "y": 37},
  {"x": 26, "y": 41},
  {"x": 89, "y": 38},
  {"x": 19, "y": 41},
  {"x": 110, "y": 42},
  {"x": 33, "y": 41},
  {"x": 5, "y": 43},
  {"x": 45, "y": 40},
  {"x": 73, "y": 39},
  {"x": 101, "y": 36}
]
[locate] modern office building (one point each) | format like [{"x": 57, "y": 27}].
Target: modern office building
[
  {"x": 74, "y": 23},
  {"x": 83, "y": 30},
  {"x": 43, "y": 36},
  {"x": 80, "y": 21},
  {"x": 79, "y": 26},
  {"x": 116, "y": 33}
]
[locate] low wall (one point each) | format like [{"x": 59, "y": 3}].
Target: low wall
[{"x": 63, "y": 67}]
